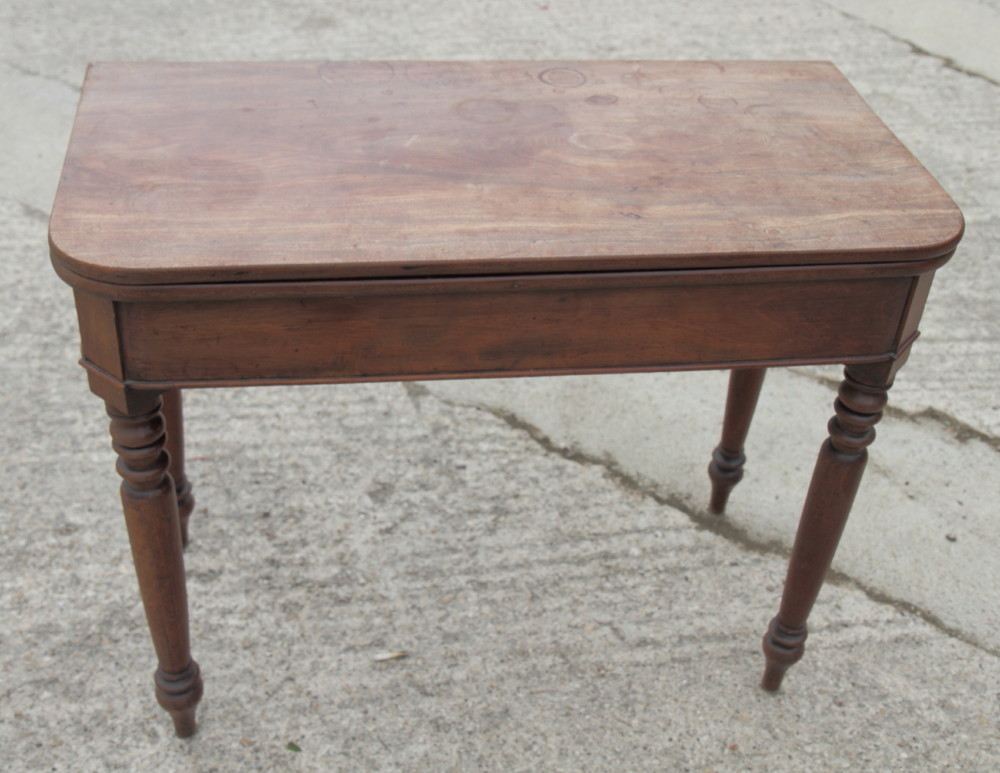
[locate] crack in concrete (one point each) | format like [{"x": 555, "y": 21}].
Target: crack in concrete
[
  {"x": 961, "y": 431},
  {"x": 28, "y": 210},
  {"x": 20, "y": 68},
  {"x": 700, "y": 517},
  {"x": 946, "y": 61},
  {"x": 32, "y": 212}
]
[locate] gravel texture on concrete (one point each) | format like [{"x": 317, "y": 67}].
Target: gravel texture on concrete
[
  {"x": 553, "y": 619},
  {"x": 554, "y": 613}
]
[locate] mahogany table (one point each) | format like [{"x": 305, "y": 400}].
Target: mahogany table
[{"x": 244, "y": 224}]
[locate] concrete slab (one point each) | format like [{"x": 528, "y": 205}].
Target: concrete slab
[
  {"x": 920, "y": 532},
  {"x": 964, "y": 32},
  {"x": 552, "y": 619}
]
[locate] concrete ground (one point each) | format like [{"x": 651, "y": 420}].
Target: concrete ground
[{"x": 539, "y": 549}]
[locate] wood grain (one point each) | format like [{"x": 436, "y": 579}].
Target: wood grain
[
  {"x": 242, "y": 172},
  {"x": 726, "y": 468},
  {"x": 150, "y": 505},
  {"x": 654, "y": 324},
  {"x": 836, "y": 477},
  {"x": 237, "y": 224}
]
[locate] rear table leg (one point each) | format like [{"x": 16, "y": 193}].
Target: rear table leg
[
  {"x": 726, "y": 467},
  {"x": 173, "y": 415}
]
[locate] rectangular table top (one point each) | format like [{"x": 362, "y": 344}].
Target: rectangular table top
[{"x": 180, "y": 173}]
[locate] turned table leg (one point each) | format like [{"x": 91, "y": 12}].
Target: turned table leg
[
  {"x": 150, "y": 503},
  {"x": 726, "y": 467},
  {"x": 173, "y": 415},
  {"x": 861, "y": 398}
]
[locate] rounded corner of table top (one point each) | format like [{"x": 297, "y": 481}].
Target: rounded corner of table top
[
  {"x": 67, "y": 266},
  {"x": 937, "y": 243},
  {"x": 70, "y": 260},
  {"x": 61, "y": 259},
  {"x": 952, "y": 236}
]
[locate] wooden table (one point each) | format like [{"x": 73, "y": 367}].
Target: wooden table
[{"x": 238, "y": 224}]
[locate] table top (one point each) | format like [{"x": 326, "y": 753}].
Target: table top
[{"x": 238, "y": 172}]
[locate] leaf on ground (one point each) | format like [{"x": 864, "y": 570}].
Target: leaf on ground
[{"x": 384, "y": 656}]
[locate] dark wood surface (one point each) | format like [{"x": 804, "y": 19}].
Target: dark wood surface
[
  {"x": 238, "y": 224},
  {"x": 242, "y": 172},
  {"x": 173, "y": 419},
  {"x": 841, "y": 462},
  {"x": 726, "y": 467},
  {"x": 149, "y": 498},
  {"x": 478, "y": 328}
]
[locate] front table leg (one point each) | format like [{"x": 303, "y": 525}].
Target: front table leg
[
  {"x": 836, "y": 477},
  {"x": 150, "y": 504}
]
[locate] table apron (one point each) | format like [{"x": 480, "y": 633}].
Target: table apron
[{"x": 511, "y": 330}]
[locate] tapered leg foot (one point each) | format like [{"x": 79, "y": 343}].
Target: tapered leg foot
[
  {"x": 150, "y": 503},
  {"x": 184, "y": 723},
  {"x": 835, "y": 481},
  {"x": 783, "y": 647},
  {"x": 179, "y": 694},
  {"x": 726, "y": 467},
  {"x": 725, "y": 470},
  {"x": 173, "y": 415}
]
